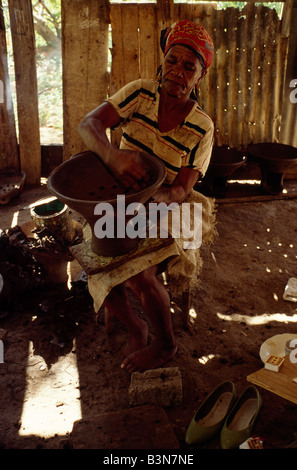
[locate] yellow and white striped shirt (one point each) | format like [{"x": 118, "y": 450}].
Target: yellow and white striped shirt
[{"x": 188, "y": 145}]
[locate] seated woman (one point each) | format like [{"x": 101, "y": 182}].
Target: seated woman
[{"x": 161, "y": 117}]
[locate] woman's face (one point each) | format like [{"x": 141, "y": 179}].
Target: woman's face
[{"x": 181, "y": 71}]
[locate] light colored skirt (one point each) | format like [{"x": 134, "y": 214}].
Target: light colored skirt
[{"x": 183, "y": 265}]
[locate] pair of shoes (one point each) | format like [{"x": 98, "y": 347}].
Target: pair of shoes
[
  {"x": 210, "y": 416},
  {"x": 241, "y": 420},
  {"x": 220, "y": 411}
]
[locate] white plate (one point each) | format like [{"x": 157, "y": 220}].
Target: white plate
[{"x": 275, "y": 345}]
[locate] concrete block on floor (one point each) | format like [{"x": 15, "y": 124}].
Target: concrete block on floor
[{"x": 162, "y": 387}]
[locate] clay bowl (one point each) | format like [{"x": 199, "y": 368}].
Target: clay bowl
[
  {"x": 273, "y": 156},
  {"x": 83, "y": 181},
  {"x": 223, "y": 164},
  {"x": 274, "y": 160}
]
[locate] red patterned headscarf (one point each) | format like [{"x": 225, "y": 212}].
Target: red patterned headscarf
[{"x": 192, "y": 35}]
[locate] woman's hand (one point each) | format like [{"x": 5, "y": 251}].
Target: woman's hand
[
  {"x": 169, "y": 194},
  {"x": 128, "y": 168},
  {"x": 179, "y": 190},
  {"x": 126, "y": 165}
]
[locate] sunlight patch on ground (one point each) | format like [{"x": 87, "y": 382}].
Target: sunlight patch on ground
[
  {"x": 192, "y": 315},
  {"x": 251, "y": 182},
  {"x": 52, "y": 397},
  {"x": 15, "y": 219},
  {"x": 259, "y": 319},
  {"x": 204, "y": 359}
]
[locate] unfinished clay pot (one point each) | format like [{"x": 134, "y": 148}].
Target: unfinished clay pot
[
  {"x": 274, "y": 160},
  {"x": 223, "y": 164},
  {"x": 11, "y": 184},
  {"x": 84, "y": 181}
]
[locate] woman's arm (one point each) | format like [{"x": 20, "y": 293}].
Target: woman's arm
[
  {"x": 125, "y": 164},
  {"x": 180, "y": 188}
]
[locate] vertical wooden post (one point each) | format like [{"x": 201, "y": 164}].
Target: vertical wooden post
[
  {"x": 288, "y": 134},
  {"x": 23, "y": 41},
  {"x": 85, "y": 56},
  {"x": 8, "y": 141}
]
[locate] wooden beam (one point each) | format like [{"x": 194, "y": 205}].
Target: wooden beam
[
  {"x": 8, "y": 141},
  {"x": 85, "y": 26},
  {"x": 23, "y": 41}
]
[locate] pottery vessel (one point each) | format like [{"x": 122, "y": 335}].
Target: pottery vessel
[
  {"x": 224, "y": 163},
  {"x": 274, "y": 160},
  {"x": 83, "y": 181}
]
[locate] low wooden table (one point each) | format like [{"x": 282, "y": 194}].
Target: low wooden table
[{"x": 281, "y": 383}]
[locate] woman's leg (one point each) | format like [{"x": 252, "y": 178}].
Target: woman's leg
[
  {"x": 118, "y": 305},
  {"x": 156, "y": 304}
]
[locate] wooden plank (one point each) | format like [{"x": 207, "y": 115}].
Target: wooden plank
[
  {"x": 125, "y": 45},
  {"x": 281, "y": 383},
  {"x": 231, "y": 75},
  {"x": 273, "y": 69},
  {"x": 208, "y": 87},
  {"x": 244, "y": 77},
  {"x": 148, "y": 41},
  {"x": 117, "y": 78},
  {"x": 165, "y": 10},
  {"x": 130, "y": 42},
  {"x": 117, "y": 67},
  {"x": 85, "y": 52},
  {"x": 241, "y": 80},
  {"x": 221, "y": 102},
  {"x": 268, "y": 78},
  {"x": 23, "y": 41},
  {"x": 8, "y": 141},
  {"x": 126, "y": 50},
  {"x": 288, "y": 134}
]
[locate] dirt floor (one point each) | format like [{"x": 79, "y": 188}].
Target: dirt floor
[{"x": 60, "y": 365}]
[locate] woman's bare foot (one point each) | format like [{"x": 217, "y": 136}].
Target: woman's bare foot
[
  {"x": 150, "y": 357},
  {"x": 138, "y": 339}
]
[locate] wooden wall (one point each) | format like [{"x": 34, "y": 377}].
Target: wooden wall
[
  {"x": 85, "y": 27},
  {"x": 244, "y": 91}
]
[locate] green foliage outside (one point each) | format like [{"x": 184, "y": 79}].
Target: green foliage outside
[{"x": 47, "y": 20}]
